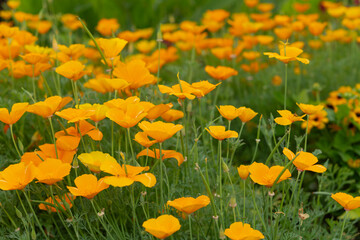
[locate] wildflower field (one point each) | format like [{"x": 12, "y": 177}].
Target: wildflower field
[{"x": 185, "y": 120}]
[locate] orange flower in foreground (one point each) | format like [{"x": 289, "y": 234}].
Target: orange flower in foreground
[
  {"x": 189, "y": 205},
  {"x": 220, "y": 72},
  {"x": 60, "y": 203},
  {"x": 287, "y": 118},
  {"x": 246, "y": 114},
  {"x": 160, "y": 131},
  {"x": 87, "y": 186},
  {"x": 83, "y": 127},
  {"x": 17, "y": 110},
  {"x": 126, "y": 175},
  {"x": 157, "y": 110},
  {"x": 288, "y": 54},
  {"x": 129, "y": 117},
  {"x": 228, "y": 111},
  {"x": 93, "y": 160},
  {"x": 49, "y": 106},
  {"x": 305, "y": 161},
  {"x": 163, "y": 226},
  {"x": 310, "y": 109},
  {"x": 185, "y": 90},
  {"x": 172, "y": 115},
  {"x": 16, "y": 176},
  {"x": 111, "y": 47},
  {"x": 347, "y": 201},
  {"x": 52, "y": 170},
  {"x": 242, "y": 231},
  {"x": 73, "y": 70},
  {"x": 204, "y": 86},
  {"x": 165, "y": 154},
  {"x": 99, "y": 110},
  {"x": 143, "y": 140},
  {"x": 243, "y": 171},
  {"x": 75, "y": 114},
  {"x": 219, "y": 132},
  {"x": 263, "y": 175}
]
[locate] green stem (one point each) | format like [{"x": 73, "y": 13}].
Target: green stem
[
  {"x": 53, "y": 136},
  {"x": 101, "y": 220},
  {"x": 220, "y": 186},
  {"x": 343, "y": 225},
  {"x": 161, "y": 177},
  {"x": 13, "y": 139},
  {"x": 285, "y": 93},
  {"x": 257, "y": 209},
  {"x": 306, "y": 133},
  {"x": 244, "y": 200},
  {"x": 189, "y": 216}
]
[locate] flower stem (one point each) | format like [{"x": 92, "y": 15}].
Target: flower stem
[
  {"x": 343, "y": 225},
  {"x": 131, "y": 147},
  {"x": 285, "y": 93},
  {"x": 306, "y": 133},
  {"x": 13, "y": 139}
]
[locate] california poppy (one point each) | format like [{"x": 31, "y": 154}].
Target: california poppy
[
  {"x": 51, "y": 171},
  {"x": 172, "y": 115},
  {"x": 189, "y": 205},
  {"x": 75, "y": 114},
  {"x": 287, "y": 118},
  {"x": 107, "y": 27},
  {"x": 310, "y": 109},
  {"x": 162, "y": 227},
  {"x": 73, "y": 70},
  {"x": 263, "y": 175},
  {"x": 17, "y": 176},
  {"x": 17, "y": 110},
  {"x": 60, "y": 203},
  {"x": 219, "y": 132},
  {"x": 94, "y": 159},
  {"x": 288, "y": 54},
  {"x": 243, "y": 231},
  {"x": 305, "y": 161},
  {"x": 246, "y": 114},
  {"x": 111, "y": 47},
  {"x": 49, "y": 106},
  {"x": 129, "y": 117},
  {"x": 143, "y": 140},
  {"x": 87, "y": 186},
  {"x": 160, "y": 131},
  {"x": 243, "y": 171},
  {"x": 347, "y": 201},
  {"x": 228, "y": 111},
  {"x": 165, "y": 154},
  {"x": 220, "y": 72}
]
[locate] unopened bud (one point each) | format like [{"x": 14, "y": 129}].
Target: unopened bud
[
  {"x": 232, "y": 203},
  {"x": 221, "y": 233},
  {"x": 225, "y": 167}
]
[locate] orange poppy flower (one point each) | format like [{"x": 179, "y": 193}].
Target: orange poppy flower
[
  {"x": 129, "y": 117},
  {"x": 204, "y": 86},
  {"x": 73, "y": 70},
  {"x": 160, "y": 131},
  {"x": 81, "y": 129},
  {"x": 305, "y": 161},
  {"x": 165, "y": 154},
  {"x": 301, "y": 7},
  {"x": 129, "y": 36},
  {"x": 162, "y": 227},
  {"x": 287, "y": 118},
  {"x": 246, "y": 114},
  {"x": 13, "y": 4},
  {"x": 228, "y": 111},
  {"x": 263, "y": 175},
  {"x": 70, "y": 21},
  {"x": 347, "y": 201},
  {"x": 265, "y": 7},
  {"x": 157, "y": 110},
  {"x": 310, "y": 109},
  {"x": 75, "y": 114},
  {"x": 243, "y": 171},
  {"x": 316, "y": 28},
  {"x": 73, "y": 52},
  {"x": 52, "y": 170},
  {"x": 65, "y": 156},
  {"x": 111, "y": 47},
  {"x": 220, "y": 72},
  {"x": 59, "y": 203},
  {"x": 17, "y": 110},
  {"x": 87, "y": 186},
  {"x": 182, "y": 92},
  {"x": 172, "y": 115},
  {"x": 49, "y": 106},
  {"x": 94, "y": 159},
  {"x": 189, "y": 205},
  {"x": 99, "y": 111},
  {"x": 219, "y": 132},
  {"x": 126, "y": 175},
  {"x": 143, "y": 140},
  {"x": 145, "y": 46},
  {"x": 17, "y": 176},
  {"x": 291, "y": 54},
  {"x": 107, "y": 27},
  {"x": 34, "y": 58},
  {"x": 242, "y": 231}
]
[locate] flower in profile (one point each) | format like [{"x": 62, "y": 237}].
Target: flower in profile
[
  {"x": 111, "y": 47},
  {"x": 204, "y": 86},
  {"x": 243, "y": 171},
  {"x": 129, "y": 117},
  {"x": 172, "y": 115},
  {"x": 75, "y": 114},
  {"x": 143, "y": 140},
  {"x": 182, "y": 90},
  {"x": 219, "y": 132},
  {"x": 62, "y": 203},
  {"x": 251, "y": 3},
  {"x": 242, "y": 231},
  {"x": 145, "y": 46},
  {"x": 160, "y": 131},
  {"x": 157, "y": 110},
  {"x": 81, "y": 129},
  {"x": 49, "y": 106},
  {"x": 165, "y": 154},
  {"x": 220, "y": 72},
  {"x": 94, "y": 159},
  {"x": 126, "y": 175},
  {"x": 304, "y": 161},
  {"x": 189, "y": 205},
  {"x": 99, "y": 110},
  {"x": 17, "y": 110},
  {"x": 163, "y": 226},
  {"x": 73, "y": 70},
  {"x": 347, "y": 201},
  {"x": 228, "y": 111},
  {"x": 87, "y": 186},
  {"x": 246, "y": 114},
  {"x": 263, "y": 175},
  {"x": 17, "y": 176},
  {"x": 52, "y": 170},
  {"x": 310, "y": 109},
  {"x": 288, "y": 54},
  {"x": 107, "y": 27},
  {"x": 316, "y": 28},
  {"x": 287, "y": 118}
]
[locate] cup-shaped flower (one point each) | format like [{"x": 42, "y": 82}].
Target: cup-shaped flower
[
  {"x": 81, "y": 129},
  {"x": 246, "y": 114},
  {"x": 165, "y": 155},
  {"x": 242, "y": 231},
  {"x": 93, "y": 160},
  {"x": 204, "y": 86},
  {"x": 182, "y": 90},
  {"x": 220, "y": 72},
  {"x": 160, "y": 131},
  {"x": 287, "y": 118},
  {"x": 17, "y": 176},
  {"x": 143, "y": 140},
  {"x": 111, "y": 47},
  {"x": 304, "y": 161},
  {"x": 172, "y": 115},
  {"x": 263, "y": 175},
  {"x": 59, "y": 203},
  {"x": 52, "y": 170},
  {"x": 310, "y": 109},
  {"x": 75, "y": 114},
  {"x": 17, "y": 110},
  {"x": 128, "y": 117},
  {"x": 228, "y": 111},
  {"x": 157, "y": 110},
  {"x": 73, "y": 70},
  {"x": 49, "y": 106},
  {"x": 163, "y": 226},
  {"x": 87, "y": 186},
  {"x": 99, "y": 111},
  {"x": 189, "y": 205},
  {"x": 219, "y": 132},
  {"x": 288, "y": 54},
  {"x": 243, "y": 171},
  {"x": 347, "y": 201},
  {"x": 126, "y": 175}
]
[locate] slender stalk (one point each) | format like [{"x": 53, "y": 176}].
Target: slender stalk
[
  {"x": 306, "y": 133},
  {"x": 101, "y": 220},
  {"x": 53, "y": 135},
  {"x": 131, "y": 147},
  {"x": 257, "y": 209},
  {"x": 244, "y": 200},
  {"x": 285, "y": 91},
  {"x": 189, "y": 217},
  {"x": 13, "y": 139},
  {"x": 220, "y": 186},
  {"x": 33, "y": 82},
  {"x": 343, "y": 225},
  {"x": 161, "y": 177}
]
